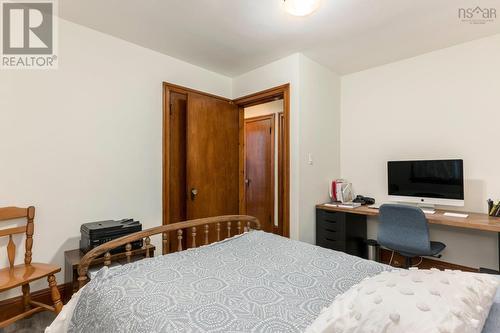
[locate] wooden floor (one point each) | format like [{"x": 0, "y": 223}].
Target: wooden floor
[
  {"x": 422, "y": 263},
  {"x": 36, "y": 324}
]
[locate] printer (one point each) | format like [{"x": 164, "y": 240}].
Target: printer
[{"x": 96, "y": 233}]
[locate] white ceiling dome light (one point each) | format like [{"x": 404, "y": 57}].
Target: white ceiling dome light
[{"x": 301, "y": 7}]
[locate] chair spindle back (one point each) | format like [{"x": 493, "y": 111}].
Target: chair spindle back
[{"x": 13, "y": 213}]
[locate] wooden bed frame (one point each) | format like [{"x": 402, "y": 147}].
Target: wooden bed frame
[{"x": 242, "y": 223}]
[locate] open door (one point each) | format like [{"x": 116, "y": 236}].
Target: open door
[
  {"x": 201, "y": 160},
  {"x": 259, "y": 170},
  {"x": 212, "y": 157},
  {"x": 204, "y": 159}
]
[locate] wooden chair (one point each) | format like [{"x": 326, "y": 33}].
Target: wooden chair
[{"x": 21, "y": 275}]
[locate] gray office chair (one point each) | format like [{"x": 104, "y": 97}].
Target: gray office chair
[{"x": 404, "y": 229}]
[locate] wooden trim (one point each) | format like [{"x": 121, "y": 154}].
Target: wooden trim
[
  {"x": 427, "y": 263},
  {"x": 264, "y": 117},
  {"x": 241, "y": 163},
  {"x": 184, "y": 90},
  {"x": 271, "y": 117},
  {"x": 273, "y": 171},
  {"x": 286, "y": 162},
  {"x": 262, "y": 97},
  {"x": 276, "y": 93},
  {"x": 167, "y": 90},
  {"x": 14, "y": 306},
  {"x": 281, "y": 128},
  {"x": 165, "y": 183}
]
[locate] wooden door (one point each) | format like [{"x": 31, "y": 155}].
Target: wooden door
[
  {"x": 259, "y": 170},
  {"x": 212, "y": 158}
]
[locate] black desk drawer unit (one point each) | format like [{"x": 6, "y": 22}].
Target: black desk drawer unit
[{"x": 341, "y": 232}]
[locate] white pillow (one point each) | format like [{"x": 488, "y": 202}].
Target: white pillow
[{"x": 416, "y": 301}]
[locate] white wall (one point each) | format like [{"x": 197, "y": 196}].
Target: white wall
[
  {"x": 314, "y": 128},
  {"x": 84, "y": 142},
  {"x": 443, "y": 104},
  {"x": 265, "y": 109},
  {"x": 320, "y": 137}
]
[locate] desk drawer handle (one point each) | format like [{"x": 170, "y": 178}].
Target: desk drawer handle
[
  {"x": 331, "y": 240},
  {"x": 330, "y": 230}
]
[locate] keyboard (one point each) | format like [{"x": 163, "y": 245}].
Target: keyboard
[{"x": 456, "y": 215}]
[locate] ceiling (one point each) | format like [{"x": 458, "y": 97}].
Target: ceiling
[{"x": 232, "y": 37}]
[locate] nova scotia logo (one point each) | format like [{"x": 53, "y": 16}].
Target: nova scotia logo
[{"x": 477, "y": 15}]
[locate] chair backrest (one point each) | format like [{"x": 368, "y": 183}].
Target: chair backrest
[
  {"x": 403, "y": 228},
  {"x": 12, "y": 213}
]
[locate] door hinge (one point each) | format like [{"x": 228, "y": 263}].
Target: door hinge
[
  {"x": 171, "y": 107},
  {"x": 270, "y": 130}
]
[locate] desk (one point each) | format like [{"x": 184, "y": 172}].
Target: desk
[{"x": 474, "y": 221}]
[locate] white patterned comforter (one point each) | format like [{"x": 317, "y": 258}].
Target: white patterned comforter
[{"x": 258, "y": 282}]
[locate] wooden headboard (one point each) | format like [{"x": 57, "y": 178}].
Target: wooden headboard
[{"x": 221, "y": 226}]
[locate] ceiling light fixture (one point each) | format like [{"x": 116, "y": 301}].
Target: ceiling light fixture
[{"x": 301, "y": 7}]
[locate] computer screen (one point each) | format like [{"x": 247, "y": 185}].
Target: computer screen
[{"x": 441, "y": 179}]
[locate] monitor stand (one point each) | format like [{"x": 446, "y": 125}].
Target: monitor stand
[{"x": 425, "y": 207}]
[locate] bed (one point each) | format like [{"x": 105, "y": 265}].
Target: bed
[
  {"x": 492, "y": 324},
  {"x": 251, "y": 282}
]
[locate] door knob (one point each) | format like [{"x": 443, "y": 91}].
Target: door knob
[
  {"x": 194, "y": 193},
  {"x": 247, "y": 181}
]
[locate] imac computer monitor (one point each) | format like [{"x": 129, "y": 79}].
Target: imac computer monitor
[{"x": 432, "y": 182}]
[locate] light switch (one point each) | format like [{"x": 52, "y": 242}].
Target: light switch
[{"x": 309, "y": 159}]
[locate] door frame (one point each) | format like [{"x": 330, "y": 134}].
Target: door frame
[
  {"x": 271, "y": 117},
  {"x": 281, "y": 126},
  {"x": 269, "y": 95}
]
